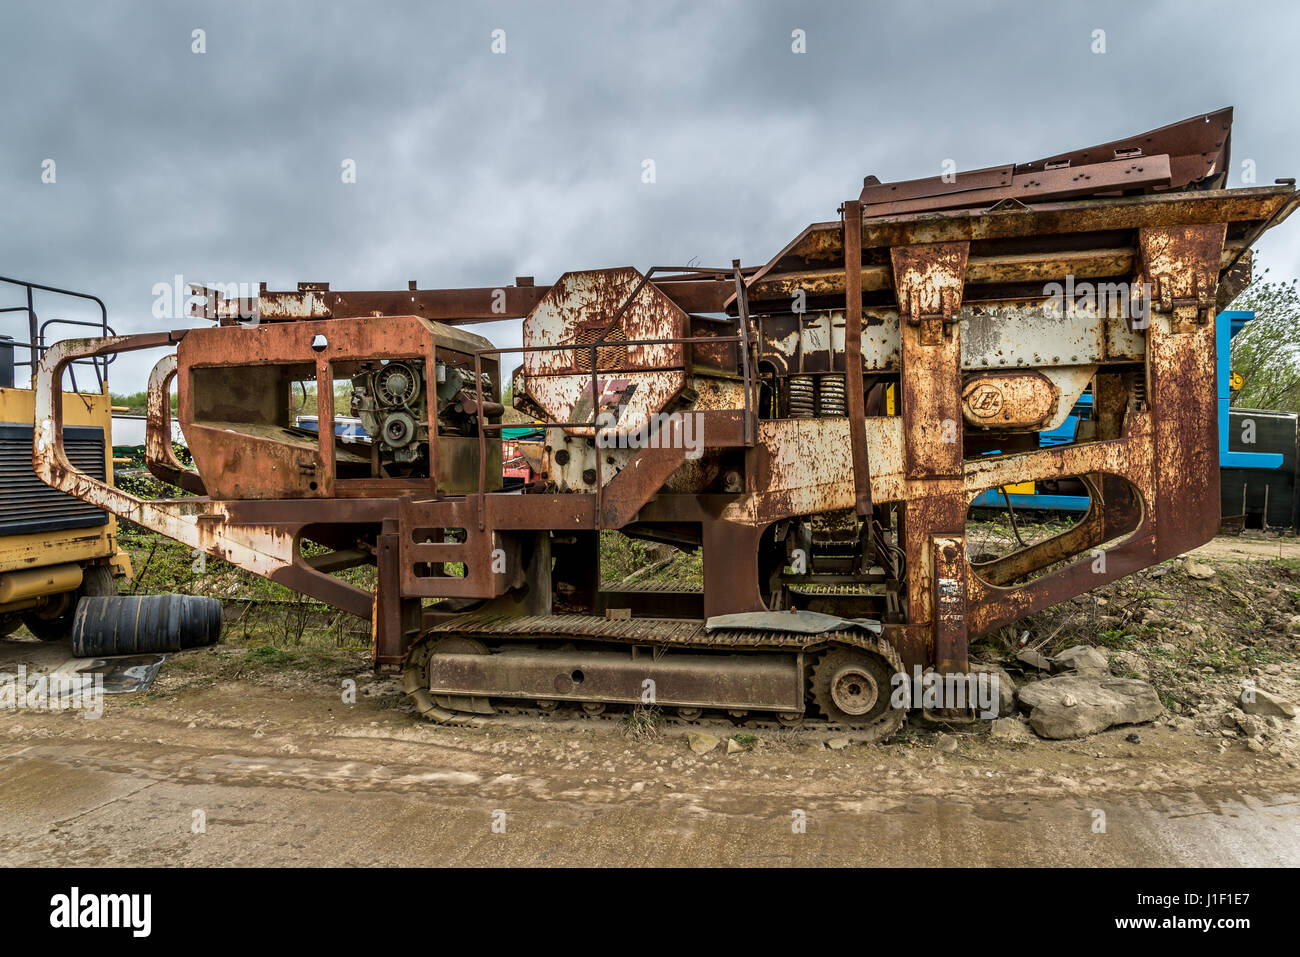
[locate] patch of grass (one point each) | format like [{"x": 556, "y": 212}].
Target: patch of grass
[
  {"x": 644, "y": 723},
  {"x": 1172, "y": 700},
  {"x": 1116, "y": 638},
  {"x": 268, "y": 655},
  {"x": 624, "y": 558}
]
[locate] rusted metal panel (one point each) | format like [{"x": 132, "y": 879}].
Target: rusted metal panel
[
  {"x": 1197, "y": 147},
  {"x": 877, "y": 193},
  {"x": 604, "y": 305},
  {"x": 824, "y": 242},
  {"x": 617, "y": 306},
  {"x": 950, "y": 634},
  {"x": 1181, "y": 264},
  {"x": 929, "y": 280},
  {"x": 681, "y": 679},
  {"x": 1188, "y": 153},
  {"x": 160, "y": 454},
  {"x": 1147, "y": 172}
]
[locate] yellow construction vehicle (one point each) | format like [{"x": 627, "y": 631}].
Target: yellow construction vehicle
[{"x": 53, "y": 548}]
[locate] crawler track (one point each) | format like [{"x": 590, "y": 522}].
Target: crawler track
[{"x": 488, "y": 634}]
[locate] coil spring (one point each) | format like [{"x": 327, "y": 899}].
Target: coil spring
[
  {"x": 1139, "y": 391},
  {"x": 802, "y": 397},
  {"x": 831, "y": 395}
]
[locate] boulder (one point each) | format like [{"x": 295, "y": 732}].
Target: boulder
[
  {"x": 1082, "y": 660},
  {"x": 1071, "y": 706},
  {"x": 837, "y": 744},
  {"x": 1265, "y": 703}
]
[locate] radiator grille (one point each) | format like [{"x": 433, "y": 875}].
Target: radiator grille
[{"x": 29, "y": 505}]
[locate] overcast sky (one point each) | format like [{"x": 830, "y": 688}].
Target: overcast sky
[{"x": 473, "y": 167}]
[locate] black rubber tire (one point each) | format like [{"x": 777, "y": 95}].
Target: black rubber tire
[
  {"x": 96, "y": 581},
  {"x": 143, "y": 624}
]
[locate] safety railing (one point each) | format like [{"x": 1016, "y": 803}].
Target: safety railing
[{"x": 36, "y": 341}]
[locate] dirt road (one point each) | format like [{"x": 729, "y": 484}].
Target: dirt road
[
  {"x": 252, "y": 753},
  {"x": 275, "y": 778}
]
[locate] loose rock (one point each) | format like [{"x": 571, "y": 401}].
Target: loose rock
[
  {"x": 1082, "y": 660},
  {"x": 1199, "y": 570},
  {"x": 1098, "y": 703},
  {"x": 1011, "y": 730},
  {"x": 837, "y": 744},
  {"x": 1250, "y": 725},
  {"x": 701, "y": 742},
  {"x": 1034, "y": 659}
]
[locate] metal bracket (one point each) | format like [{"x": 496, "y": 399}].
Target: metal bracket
[
  {"x": 1164, "y": 301},
  {"x": 934, "y": 324}
]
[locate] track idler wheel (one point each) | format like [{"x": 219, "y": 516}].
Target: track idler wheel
[
  {"x": 415, "y": 681},
  {"x": 853, "y": 687}
]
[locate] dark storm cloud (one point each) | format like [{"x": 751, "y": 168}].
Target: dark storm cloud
[{"x": 473, "y": 168}]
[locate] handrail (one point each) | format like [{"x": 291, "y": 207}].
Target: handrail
[{"x": 36, "y": 329}]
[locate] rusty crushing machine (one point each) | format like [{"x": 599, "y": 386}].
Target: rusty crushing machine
[{"x": 816, "y": 426}]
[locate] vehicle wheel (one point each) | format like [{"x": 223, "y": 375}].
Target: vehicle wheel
[
  {"x": 97, "y": 582},
  {"x": 55, "y": 622}
]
